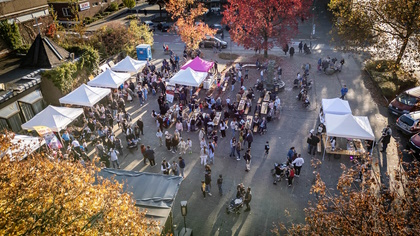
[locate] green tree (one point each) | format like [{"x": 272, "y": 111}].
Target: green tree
[
  {"x": 129, "y": 3},
  {"x": 390, "y": 27}
]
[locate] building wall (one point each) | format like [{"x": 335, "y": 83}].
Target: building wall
[
  {"x": 87, "y": 8},
  {"x": 12, "y": 8}
]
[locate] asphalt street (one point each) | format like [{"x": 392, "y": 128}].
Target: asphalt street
[{"x": 269, "y": 203}]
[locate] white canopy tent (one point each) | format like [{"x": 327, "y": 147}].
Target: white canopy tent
[
  {"x": 85, "y": 96},
  {"x": 55, "y": 118},
  {"x": 336, "y": 106},
  {"x": 348, "y": 126},
  {"x": 129, "y": 65},
  {"x": 109, "y": 79},
  {"x": 22, "y": 146},
  {"x": 188, "y": 77}
]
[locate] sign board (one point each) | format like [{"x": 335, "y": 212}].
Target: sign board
[
  {"x": 84, "y": 6},
  {"x": 170, "y": 96},
  {"x": 49, "y": 137}
]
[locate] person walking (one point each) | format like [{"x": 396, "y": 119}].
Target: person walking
[
  {"x": 114, "y": 158},
  {"x": 232, "y": 147},
  {"x": 344, "y": 91},
  {"x": 165, "y": 167},
  {"x": 386, "y": 137},
  {"x": 220, "y": 185},
  {"x": 292, "y": 51},
  {"x": 207, "y": 179},
  {"x": 143, "y": 152},
  {"x": 267, "y": 149},
  {"x": 233, "y": 126},
  {"x": 300, "y": 47},
  {"x": 211, "y": 153},
  {"x": 189, "y": 145},
  {"x": 201, "y": 134},
  {"x": 297, "y": 163},
  {"x": 290, "y": 155},
  {"x": 290, "y": 176},
  {"x": 181, "y": 164},
  {"x": 168, "y": 140},
  {"x": 314, "y": 144},
  {"x": 238, "y": 150},
  {"x": 150, "y": 154},
  {"x": 248, "y": 198},
  {"x": 223, "y": 127},
  {"x": 247, "y": 158}
]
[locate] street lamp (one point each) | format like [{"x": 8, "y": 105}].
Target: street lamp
[{"x": 184, "y": 214}]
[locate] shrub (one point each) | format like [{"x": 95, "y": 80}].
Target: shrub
[
  {"x": 23, "y": 49},
  {"x": 10, "y": 34},
  {"x": 380, "y": 65},
  {"x": 388, "y": 89},
  {"x": 112, "y": 7}
]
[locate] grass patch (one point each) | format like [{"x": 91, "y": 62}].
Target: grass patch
[
  {"x": 228, "y": 56},
  {"x": 381, "y": 74}
]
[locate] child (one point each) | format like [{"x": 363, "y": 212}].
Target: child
[
  {"x": 219, "y": 184},
  {"x": 203, "y": 188},
  {"x": 182, "y": 147},
  {"x": 267, "y": 149},
  {"x": 189, "y": 144}
]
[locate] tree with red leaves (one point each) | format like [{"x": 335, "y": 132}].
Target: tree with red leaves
[{"x": 262, "y": 24}]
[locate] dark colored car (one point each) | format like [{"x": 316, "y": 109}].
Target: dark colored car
[
  {"x": 217, "y": 27},
  {"x": 406, "y": 102},
  {"x": 163, "y": 26},
  {"x": 209, "y": 42},
  {"x": 415, "y": 144},
  {"x": 409, "y": 123}
]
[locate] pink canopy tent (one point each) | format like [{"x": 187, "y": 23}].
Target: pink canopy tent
[{"x": 198, "y": 64}]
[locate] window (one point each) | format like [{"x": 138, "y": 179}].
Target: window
[
  {"x": 15, "y": 123},
  {"x": 95, "y": 4},
  {"x": 27, "y": 111},
  {"x": 66, "y": 11},
  {"x": 38, "y": 106}
]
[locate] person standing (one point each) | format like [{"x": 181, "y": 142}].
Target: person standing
[
  {"x": 223, "y": 128},
  {"x": 140, "y": 125},
  {"x": 201, "y": 134},
  {"x": 233, "y": 83},
  {"x": 315, "y": 140},
  {"x": 232, "y": 147},
  {"x": 290, "y": 176},
  {"x": 220, "y": 184},
  {"x": 203, "y": 155},
  {"x": 267, "y": 149},
  {"x": 290, "y": 154},
  {"x": 249, "y": 138},
  {"x": 297, "y": 163},
  {"x": 248, "y": 198},
  {"x": 248, "y": 160},
  {"x": 238, "y": 150},
  {"x": 114, "y": 158},
  {"x": 300, "y": 47},
  {"x": 168, "y": 140},
  {"x": 344, "y": 91},
  {"x": 233, "y": 126},
  {"x": 175, "y": 168},
  {"x": 165, "y": 167},
  {"x": 189, "y": 145},
  {"x": 159, "y": 135},
  {"x": 181, "y": 164},
  {"x": 150, "y": 154},
  {"x": 262, "y": 75},
  {"x": 143, "y": 151},
  {"x": 386, "y": 137},
  {"x": 211, "y": 153},
  {"x": 207, "y": 179}
]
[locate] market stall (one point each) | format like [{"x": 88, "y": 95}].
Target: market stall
[
  {"x": 335, "y": 106},
  {"x": 198, "y": 64},
  {"x": 188, "y": 77},
  {"x": 55, "y": 118},
  {"x": 353, "y": 128},
  {"x": 109, "y": 79},
  {"x": 85, "y": 96},
  {"x": 129, "y": 65}
]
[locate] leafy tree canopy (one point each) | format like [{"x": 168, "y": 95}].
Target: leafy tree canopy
[
  {"x": 129, "y": 3},
  {"x": 39, "y": 196}
]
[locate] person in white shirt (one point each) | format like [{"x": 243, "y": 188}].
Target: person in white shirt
[
  {"x": 298, "y": 162},
  {"x": 262, "y": 75},
  {"x": 233, "y": 126},
  {"x": 189, "y": 145},
  {"x": 165, "y": 167},
  {"x": 223, "y": 128},
  {"x": 114, "y": 158}
]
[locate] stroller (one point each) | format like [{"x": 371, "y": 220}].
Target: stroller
[
  {"x": 235, "y": 206},
  {"x": 210, "y": 128},
  {"x": 279, "y": 172}
]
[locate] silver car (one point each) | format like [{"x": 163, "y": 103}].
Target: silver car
[{"x": 409, "y": 123}]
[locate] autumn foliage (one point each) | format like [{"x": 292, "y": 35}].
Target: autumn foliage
[
  {"x": 262, "y": 24},
  {"x": 39, "y": 196},
  {"x": 365, "y": 207},
  {"x": 186, "y": 13}
]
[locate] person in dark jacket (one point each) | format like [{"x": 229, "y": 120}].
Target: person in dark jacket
[
  {"x": 249, "y": 138},
  {"x": 181, "y": 164},
  {"x": 150, "y": 154},
  {"x": 291, "y": 51},
  {"x": 140, "y": 125}
]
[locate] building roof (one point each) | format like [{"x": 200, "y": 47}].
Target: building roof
[{"x": 44, "y": 53}]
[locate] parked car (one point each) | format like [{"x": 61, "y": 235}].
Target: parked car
[
  {"x": 406, "y": 102},
  {"x": 409, "y": 123},
  {"x": 415, "y": 144},
  {"x": 217, "y": 27},
  {"x": 209, "y": 42},
  {"x": 150, "y": 24}
]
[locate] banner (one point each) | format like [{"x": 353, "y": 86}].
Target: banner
[
  {"x": 170, "y": 96},
  {"x": 50, "y": 139}
]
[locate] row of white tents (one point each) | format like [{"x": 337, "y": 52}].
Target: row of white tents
[{"x": 58, "y": 118}]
